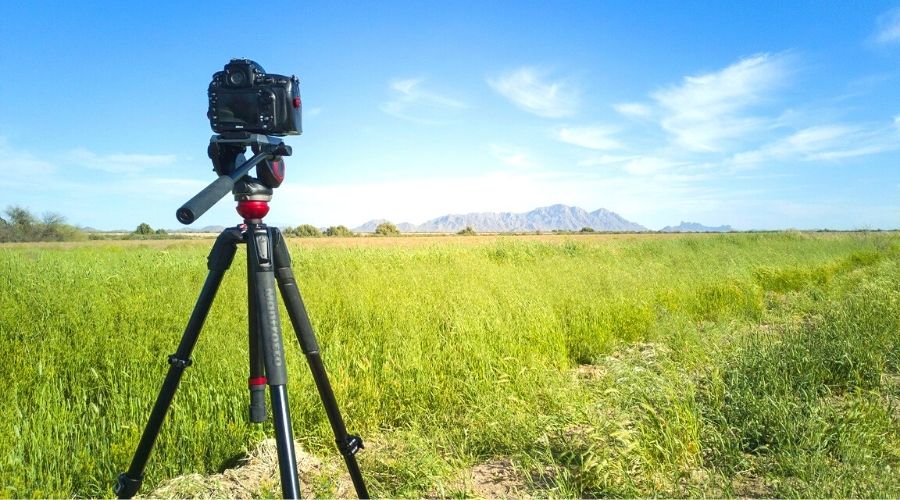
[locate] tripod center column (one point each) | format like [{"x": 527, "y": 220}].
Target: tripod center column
[
  {"x": 260, "y": 261},
  {"x": 261, "y": 270}
]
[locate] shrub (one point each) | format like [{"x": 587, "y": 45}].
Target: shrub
[
  {"x": 468, "y": 231},
  {"x": 338, "y": 231},
  {"x": 307, "y": 231},
  {"x": 387, "y": 229}
]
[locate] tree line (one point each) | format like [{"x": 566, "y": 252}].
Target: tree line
[
  {"x": 310, "y": 231},
  {"x": 19, "y": 224}
]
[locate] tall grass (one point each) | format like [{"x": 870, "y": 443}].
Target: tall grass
[
  {"x": 446, "y": 355},
  {"x": 809, "y": 405}
]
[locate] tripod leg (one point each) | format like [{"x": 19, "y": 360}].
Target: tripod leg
[
  {"x": 262, "y": 278},
  {"x": 348, "y": 445},
  {"x": 218, "y": 262}
]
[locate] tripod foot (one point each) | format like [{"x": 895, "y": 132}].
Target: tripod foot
[{"x": 126, "y": 486}]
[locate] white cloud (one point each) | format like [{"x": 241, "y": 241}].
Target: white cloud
[
  {"x": 529, "y": 89},
  {"x": 412, "y": 200},
  {"x": 729, "y": 110},
  {"x": 117, "y": 163},
  {"x": 21, "y": 169},
  {"x": 649, "y": 200},
  {"x": 633, "y": 110},
  {"x": 598, "y": 138},
  {"x": 512, "y": 157},
  {"x": 603, "y": 160},
  {"x": 411, "y": 101},
  {"x": 708, "y": 112},
  {"x": 888, "y": 27},
  {"x": 52, "y": 182},
  {"x": 648, "y": 165},
  {"x": 645, "y": 165},
  {"x": 826, "y": 143}
]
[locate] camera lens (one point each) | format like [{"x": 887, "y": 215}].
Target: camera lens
[{"x": 237, "y": 78}]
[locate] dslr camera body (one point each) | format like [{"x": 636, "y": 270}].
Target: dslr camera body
[{"x": 244, "y": 98}]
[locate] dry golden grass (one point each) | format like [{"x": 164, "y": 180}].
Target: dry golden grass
[{"x": 410, "y": 240}]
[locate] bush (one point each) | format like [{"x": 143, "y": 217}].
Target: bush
[
  {"x": 143, "y": 232},
  {"x": 587, "y": 230},
  {"x": 307, "y": 231},
  {"x": 302, "y": 231},
  {"x": 338, "y": 231},
  {"x": 387, "y": 229},
  {"x": 468, "y": 231}
]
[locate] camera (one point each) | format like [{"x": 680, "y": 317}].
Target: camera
[{"x": 244, "y": 98}]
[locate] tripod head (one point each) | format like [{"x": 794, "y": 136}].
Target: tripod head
[{"x": 226, "y": 151}]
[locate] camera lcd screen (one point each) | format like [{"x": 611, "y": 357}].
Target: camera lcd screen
[{"x": 238, "y": 109}]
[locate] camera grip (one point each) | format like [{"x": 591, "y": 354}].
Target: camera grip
[{"x": 204, "y": 200}]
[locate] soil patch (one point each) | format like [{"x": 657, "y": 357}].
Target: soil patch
[
  {"x": 256, "y": 476},
  {"x": 497, "y": 479}
]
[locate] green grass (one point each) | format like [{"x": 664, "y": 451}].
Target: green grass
[{"x": 725, "y": 365}]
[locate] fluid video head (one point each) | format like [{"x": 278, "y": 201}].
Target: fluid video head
[
  {"x": 244, "y": 98},
  {"x": 248, "y": 108}
]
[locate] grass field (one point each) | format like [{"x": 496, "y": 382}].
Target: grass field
[{"x": 630, "y": 365}]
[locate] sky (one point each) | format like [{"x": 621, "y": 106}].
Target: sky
[{"x": 761, "y": 115}]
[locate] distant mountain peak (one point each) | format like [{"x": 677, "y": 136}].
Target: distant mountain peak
[{"x": 695, "y": 227}]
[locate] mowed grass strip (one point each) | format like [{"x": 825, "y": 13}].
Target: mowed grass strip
[{"x": 450, "y": 352}]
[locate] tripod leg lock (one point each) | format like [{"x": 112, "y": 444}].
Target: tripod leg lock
[
  {"x": 350, "y": 446},
  {"x": 126, "y": 486},
  {"x": 258, "y": 400},
  {"x": 179, "y": 363}
]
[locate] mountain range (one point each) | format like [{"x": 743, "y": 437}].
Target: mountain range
[
  {"x": 694, "y": 227},
  {"x": 555, "y": 217}
]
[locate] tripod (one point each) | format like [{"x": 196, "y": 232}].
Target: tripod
[{"x": 268, "y": 262}]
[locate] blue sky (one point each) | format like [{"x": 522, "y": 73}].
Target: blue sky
[{"x": 759, "y": 115}]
